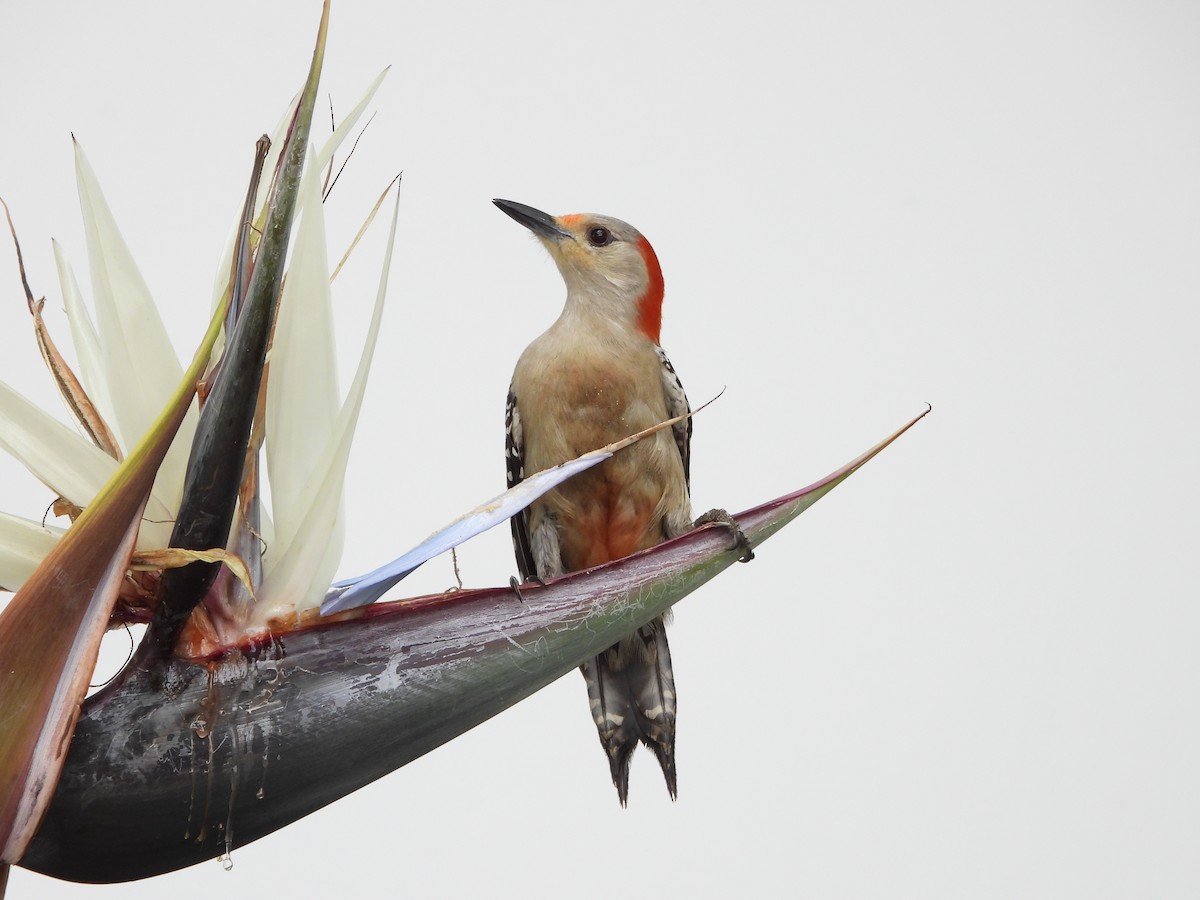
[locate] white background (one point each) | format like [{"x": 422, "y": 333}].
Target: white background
[{"x": 972, "y": 670}]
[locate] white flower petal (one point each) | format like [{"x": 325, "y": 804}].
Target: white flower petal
[
  {"x": 65, "y": 462},
  {"x": 302, "y": 395},
  {"x": 296, "y": 579},
  {"x": 68, "y": 464},
  {"x": 347, "y": 124},
  {"x": 299, "y": 575},
  {"x": 84, "y": 337},
  {"x": 23, "y": 545},
  {"x": 141, "y": 367}
]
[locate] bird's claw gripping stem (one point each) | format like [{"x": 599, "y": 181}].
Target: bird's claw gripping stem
[
  {"x": 722, "y": 518},
  {"x": 516, "y": 588},
  {"x": 515, "y": 585}
]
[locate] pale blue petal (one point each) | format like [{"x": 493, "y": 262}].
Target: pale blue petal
[{"x": 366, "y": 589}]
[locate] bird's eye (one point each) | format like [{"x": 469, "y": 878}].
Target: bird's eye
[{"x": 599, "y": 236}]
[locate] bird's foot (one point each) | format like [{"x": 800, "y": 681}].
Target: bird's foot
[
  {"x": 720, "y": 517},
  {"x": 516, "y": 585}
]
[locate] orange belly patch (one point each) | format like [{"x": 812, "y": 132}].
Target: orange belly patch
[{"x": 607, "y": 522}]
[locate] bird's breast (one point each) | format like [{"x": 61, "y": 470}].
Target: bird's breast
[
  {"x": 579, "y": 394},
  {"x": 576, "y": 399}
]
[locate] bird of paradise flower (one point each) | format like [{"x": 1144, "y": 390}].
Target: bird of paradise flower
[{"x": 236, "y": 643}]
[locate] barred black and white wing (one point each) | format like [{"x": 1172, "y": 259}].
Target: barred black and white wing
[
  {"x": 677, "y": 405},
  {"x": 514, "y": 461}
]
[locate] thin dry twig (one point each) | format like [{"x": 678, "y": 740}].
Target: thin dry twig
[{"x": 365, "y": 226}]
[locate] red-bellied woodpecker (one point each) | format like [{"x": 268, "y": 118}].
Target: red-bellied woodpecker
[{"x": 597, "y": 375}]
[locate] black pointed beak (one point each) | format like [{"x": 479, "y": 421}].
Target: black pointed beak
[{"x": 540, "y": 223}]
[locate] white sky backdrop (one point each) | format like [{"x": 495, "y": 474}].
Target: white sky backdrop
[{"x": 972, "y": 671}]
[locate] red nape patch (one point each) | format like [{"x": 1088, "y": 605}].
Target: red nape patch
[{"x": 650, "y": 303}]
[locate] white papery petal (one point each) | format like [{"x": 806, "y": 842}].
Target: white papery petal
[
  {"x": 140, "y": 365},
  {"x": 347, "y": 124},
  {"x": 23, "y": 545},
  {"x": 298, "y": 577},
  {"x": 325, "y": 154},
  {"x": 70, "y": 465},
  {"x": 84, "y": 337},
  {"x": 302, "y": 395}
]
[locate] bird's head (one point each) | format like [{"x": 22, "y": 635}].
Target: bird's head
[{"x": 604, "y": 261}]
